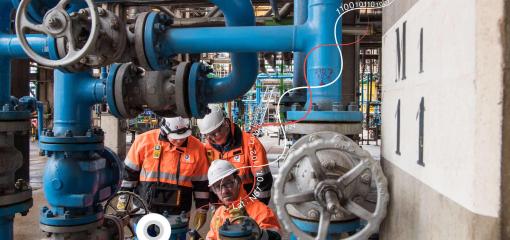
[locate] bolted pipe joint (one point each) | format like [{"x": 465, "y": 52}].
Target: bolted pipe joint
[
  {"x": 148, "y": 32},
  {"x": 191, "y": 85},
  {"x": 130, "y": 90}
]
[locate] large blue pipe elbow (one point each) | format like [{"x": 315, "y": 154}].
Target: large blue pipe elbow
[
  {"x": 244, "y": 65},
  {"x": 239, "y": 81}
]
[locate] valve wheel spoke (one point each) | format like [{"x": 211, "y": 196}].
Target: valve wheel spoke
[
  {"x": 354, "y": 173},
  {"x": 300, "y": 197},
  {"x": 324, "y": 222},
  {"x": 358, "y": 210},
  {"x": 316, "y": 165}
]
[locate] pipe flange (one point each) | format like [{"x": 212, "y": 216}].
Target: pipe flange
[
  {"x": 110, "y": 90},
  {"x": 125, "y": 80},
  {"x": 149, "y": 27},
  {"x": 121, "y": 76},
  {"x": 14, "y": 126},
  {"x": 15, "y": 115},
  {"x": 286, "y": 193},
  {"x": 181, "y": 89},
  {"x": 197, "y": 77},
  {"x": 70, "y": 229},
  {"x": 16, "y": 197},
  {"x": 139, "y": 40}
]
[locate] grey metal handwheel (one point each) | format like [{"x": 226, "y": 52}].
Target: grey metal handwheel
[
  {"x": 115, "y": 226},
  {"x": 332, "y": 187},
  {"x": 135, "y": 207},
  {"x": 56, "y": 23}
]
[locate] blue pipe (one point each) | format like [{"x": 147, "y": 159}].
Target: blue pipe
[
  {"x": 6, "y": 227},
  {"x": 300, "y": 17},
  {"x": 5, "y": 63},
  {"x": 74, "y": 96},
  {"x": 104, "y": 73},
  {"x": 203, "y": 90},
  {"x": 323, "y": 65},
  {"x": 40, "y": 118},
  {"x": 6, "y": 9},
  {"x": 244, "y": 65},
  {"x": 10, "y": 46},
  {"x": 76, "y": 151},
  {"x": 231, "y": 39},
  {"x": 5, "y": 81}
]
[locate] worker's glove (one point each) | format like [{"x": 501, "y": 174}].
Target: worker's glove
[
  {"x": 122, "y": 202},
  {"x": 199, "y": 219}
]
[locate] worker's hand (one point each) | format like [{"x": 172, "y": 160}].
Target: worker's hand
[
  {"x": 199, "y": 219},
  {"x": 122, "y": 202}
]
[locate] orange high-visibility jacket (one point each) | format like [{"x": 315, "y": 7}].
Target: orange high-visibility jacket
[
  {"x": 255, "y": 209},
  {"x": 247, "y": 154},
  {"x": 151, "y": 152}
]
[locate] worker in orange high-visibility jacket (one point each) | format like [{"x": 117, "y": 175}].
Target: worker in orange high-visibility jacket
[
  {"x": 165, "y": 166},
  {"x": 226, "y": 140},
  {"x": 225, "y": 182}
]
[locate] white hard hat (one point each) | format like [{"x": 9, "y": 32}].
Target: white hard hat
[
  {"x": 211, "y": 121},
  {"x": 176, "y": 128},
  {"x": 220, "y": 169}
]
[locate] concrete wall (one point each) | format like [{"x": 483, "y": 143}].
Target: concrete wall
[
  {"x": 505, "y": 165},
  {"x": 115, "y": 134},
  {"x": 456, "y": 195}
]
